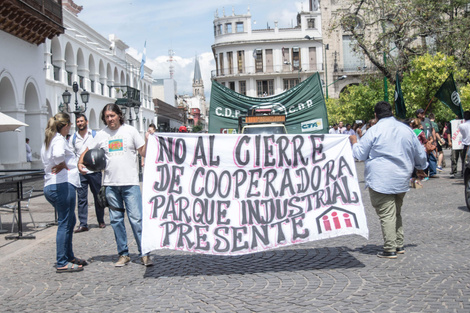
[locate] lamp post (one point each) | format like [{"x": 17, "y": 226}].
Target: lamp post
[
  {"x": 327, "y": 47},
  {"x": 339, "y": 78},
  {"x": 136, "y": 111},
  {"x": 66, "y": 97}
]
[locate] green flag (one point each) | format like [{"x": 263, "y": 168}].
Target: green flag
[
  {"x": 303, "y": 105},
  {"x": 400, "y": 109},
  {"x": 448, "y": 95}
]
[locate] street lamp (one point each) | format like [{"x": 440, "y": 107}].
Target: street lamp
[
  {"x": 130, "y": 105},
  {"x": 327, "y": 47},
  {"x": 66, "y": 97},
  {"x": 339, "y": 78}
]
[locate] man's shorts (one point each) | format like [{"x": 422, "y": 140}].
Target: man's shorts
[{"x": 439, "y": 147}]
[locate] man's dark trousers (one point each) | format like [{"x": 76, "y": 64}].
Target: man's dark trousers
[{"x": 94, "y": 180}]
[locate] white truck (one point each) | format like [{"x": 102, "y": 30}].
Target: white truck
[{"x": 262, "y": 121}]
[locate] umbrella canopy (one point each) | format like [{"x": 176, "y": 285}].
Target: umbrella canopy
[{"x": 8, "y": 123}]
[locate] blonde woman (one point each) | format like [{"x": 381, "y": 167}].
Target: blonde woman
[{"x": 60, "y": 180}]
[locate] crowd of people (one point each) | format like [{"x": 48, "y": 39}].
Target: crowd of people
[{"x": 418, "y": 142}]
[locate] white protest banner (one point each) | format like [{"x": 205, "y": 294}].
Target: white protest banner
[
  {"x": 239, "y": 194},
  {"x": 456, "y": 135}
]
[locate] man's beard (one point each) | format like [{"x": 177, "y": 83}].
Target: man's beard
[{"x": 82, "y": 127}]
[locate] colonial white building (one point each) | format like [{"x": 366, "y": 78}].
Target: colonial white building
[
  {"x": 34, "y": 77},
  {"x": 264, "y": 62},
  {"x": 99, "y": 65},
  {"x": 23, "y": 30}
]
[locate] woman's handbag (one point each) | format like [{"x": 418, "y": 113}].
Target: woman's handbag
[{"x": 429, "y": 146}]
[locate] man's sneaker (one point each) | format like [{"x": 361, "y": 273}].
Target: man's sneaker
[
  {"x": 387, "y": 255},
  {"x": 123, "y": 260},
  {"x": 146, "y": 260},
  {"x": 452, "y": 175},
  {"x": 401, "y": 250},
  {"x": 439, "y": 168}
]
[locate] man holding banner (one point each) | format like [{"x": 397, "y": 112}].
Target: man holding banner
[{"x": 391, "y": 151}]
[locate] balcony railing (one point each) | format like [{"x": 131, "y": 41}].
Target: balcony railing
[
  {"x": 127, "y": 95},
  {"x": 32, "y": 20},
  {"x": 276, "y": 69}
]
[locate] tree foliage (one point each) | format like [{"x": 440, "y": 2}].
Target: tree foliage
[
  {"x": 419, "y": 85},
  {"x": 405, "y": 29},
  {"x": 426, "y": 75},
  {"x": 357, "y": 102}
]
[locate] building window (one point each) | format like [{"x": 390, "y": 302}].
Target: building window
[
  {"x": 241, "y": 61},
  {"x": 258, "y": 60},
  {"x": 242, "y": 85},
  {"x": 102, "y": 89},
  {"x": 230, "y": 62},
  {"x": 56, "y": 72},
  {"x": 221, "y": 60},
  {"x": 215, "y": 30},
  {"x": 289, "y": 83},
  {"x": 269, "y": 60},
  {"x": 265, "y": 87},
  {"x": 228, "y": 28},
  {"x": 69, "y": 78},
  {"x": 352, "y": 61},
  {"x": 296, "y": 58},
  {"x": 110, "y": 91},
  {"x": 311, "y": 23},
  {"x": 81, "y": 81},
  {"x": 92, "y": 82},
  {"x": 240, "y": 27},
  {"x": 312, "y": 54},
  {"x": 231, "y": 85},
  {"x": 216, "y": 64},
  {"x": 219, "y": 29}
]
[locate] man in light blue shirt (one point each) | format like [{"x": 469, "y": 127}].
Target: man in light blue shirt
[{"x": 391, "y": 152}]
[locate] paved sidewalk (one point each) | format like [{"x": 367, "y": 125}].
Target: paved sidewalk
[{"x": 335, "y": 275}]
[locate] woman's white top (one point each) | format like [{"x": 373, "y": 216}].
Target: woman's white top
[{"x": 58, "y": 152}]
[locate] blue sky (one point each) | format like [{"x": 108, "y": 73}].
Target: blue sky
[{"x": 182, "y": 25}]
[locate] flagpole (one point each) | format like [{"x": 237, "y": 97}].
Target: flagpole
[{"x": 429, "y": 104}]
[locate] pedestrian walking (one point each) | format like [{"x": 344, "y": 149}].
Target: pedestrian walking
[
  {"x": 29, "y": 154},
  {"x": 465, "y": 131},
  {"x": 429, "y": 132},
  {"x": 454, "y": 141},
  {"x": 391, "y": 151},
  {"x": 121, "y": 143},
  {"x": 60, "y": 180}
]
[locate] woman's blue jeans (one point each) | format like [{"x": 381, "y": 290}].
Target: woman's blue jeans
[
  {"x": 62, "y": 197},
  {"x": 131, "y": 197}
]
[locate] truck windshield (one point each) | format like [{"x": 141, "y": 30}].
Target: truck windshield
[{"x": 265, "y": 130}]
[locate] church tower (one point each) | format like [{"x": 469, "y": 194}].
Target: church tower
[{"x": 198, "y": 84}]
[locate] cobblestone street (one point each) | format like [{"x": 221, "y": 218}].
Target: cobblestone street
[{"x": 335, "y": 275}]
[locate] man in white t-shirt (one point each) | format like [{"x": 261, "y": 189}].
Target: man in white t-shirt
[
  {"x": 334, "y": 129},
  {"x": 465, "y": 131},
  {"x": 78, "y": 143},
  {"x": 121, "y": 143},
  {"x": 341, "y": 128}
]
